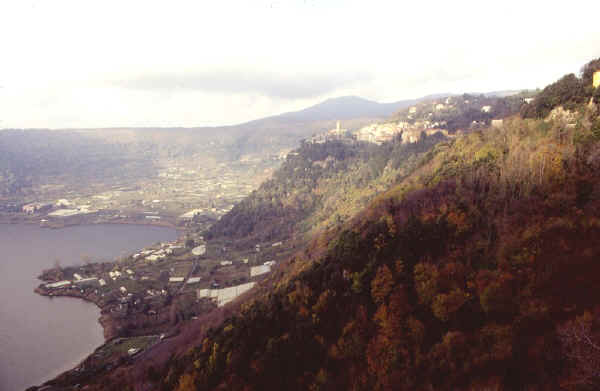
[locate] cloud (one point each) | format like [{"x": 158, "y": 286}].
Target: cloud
[{"x": 270, "y": 84}]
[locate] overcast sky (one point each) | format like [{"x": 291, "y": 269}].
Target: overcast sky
[{"x": 77, "y": 63}]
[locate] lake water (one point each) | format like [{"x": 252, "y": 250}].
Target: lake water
[{"x": 41, "y": 337}]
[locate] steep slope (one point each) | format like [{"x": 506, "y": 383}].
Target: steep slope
[
  {"x": 321, "y": 185},
  {"x": 446, "y": 287},
  {"x": 318, "y": 186},
  {"x": 478, "y": 270}
]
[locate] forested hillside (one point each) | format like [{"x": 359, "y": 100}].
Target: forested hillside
[
  {"x": 319, "y": 186},
  {"x": 477, "y": 270}
]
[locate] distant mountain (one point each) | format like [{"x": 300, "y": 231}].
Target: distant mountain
[
  {"x": 347, "y": 107},
  {"x": 350, "y": 107}
]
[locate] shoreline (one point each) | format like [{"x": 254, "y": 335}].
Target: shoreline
[
  {"x": 58, "y": 224},
  {"x": 86, "y": 356},
  {"x": 102, "y": 320},
  {"x": 112, "y": 323}
]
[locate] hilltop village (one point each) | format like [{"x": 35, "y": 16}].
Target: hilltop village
[{"x": 450, "y": 116}]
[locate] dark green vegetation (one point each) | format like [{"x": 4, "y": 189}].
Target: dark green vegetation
[{"x": 569, "y": 92}]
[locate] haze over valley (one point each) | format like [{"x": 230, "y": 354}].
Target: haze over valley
[{"x": 126, "y": 175}]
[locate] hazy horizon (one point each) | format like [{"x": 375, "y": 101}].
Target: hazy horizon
[{"x": 74, "y": 64}]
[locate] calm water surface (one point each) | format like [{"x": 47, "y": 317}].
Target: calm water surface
[{"x": 41, "y": 337}]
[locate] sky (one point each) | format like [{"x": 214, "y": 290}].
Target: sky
[{"x": 80, "y": 63}]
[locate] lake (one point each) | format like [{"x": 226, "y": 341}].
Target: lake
[{"x": 41, "y": 337}]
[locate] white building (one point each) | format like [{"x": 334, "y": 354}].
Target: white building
[
  {"x": 200, "y": 250},
  {"x": 154, "y": 258},
  {"x": 497, "y": 123},
  {"x": 259, "y": 270},
  {"x": 58, "y": 284},
  {"x": 224, "y": 295}
]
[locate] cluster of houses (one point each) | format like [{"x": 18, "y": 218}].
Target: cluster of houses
[
  {"x": 114, "y": 274},
  {"x": 93, "y": 281},
  {"x": 409, "y": 133},
  {"x": 154, "y": 255},
  {"x": 37, "y": 207},
  {"x": 379, "y": 133},
  {"x": 61, "y": 208},
  {"x": 220, "y": 295}
]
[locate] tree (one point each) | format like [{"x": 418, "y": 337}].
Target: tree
[
  {"x": 426, "y": 278},
  {"x": 382, "y": 284},
  {"x": 446, "y": 304}
]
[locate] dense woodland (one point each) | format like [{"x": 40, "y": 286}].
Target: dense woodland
[
  {"x": 319, "y": 186},
  {"x": 473, "y": 266}
]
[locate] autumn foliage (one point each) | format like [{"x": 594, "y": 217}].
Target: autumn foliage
[{"x": 477, "y": 270}]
